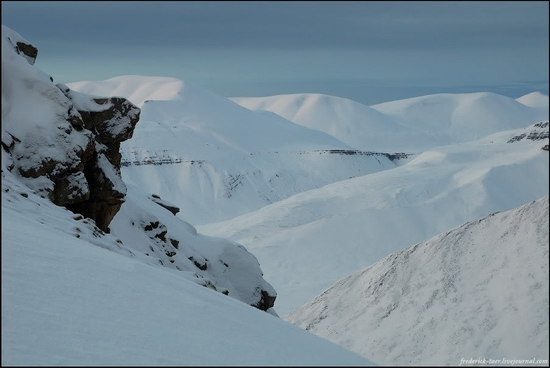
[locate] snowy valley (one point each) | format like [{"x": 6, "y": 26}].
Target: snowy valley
[{"x": 298, "y": 229}]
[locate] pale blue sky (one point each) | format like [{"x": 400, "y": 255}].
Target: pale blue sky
[{"x": 369, "y": 52}]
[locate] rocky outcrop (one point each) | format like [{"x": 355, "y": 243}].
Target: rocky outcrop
[
  {"x": 535, "y": 132},
  {"x": 63, "y": 144},
  {"x": 111, "y": 125},
  {"x": 216, "y": 263},
  {"x": 170, "y": 207},
  {"x": 28, "y": 50}
]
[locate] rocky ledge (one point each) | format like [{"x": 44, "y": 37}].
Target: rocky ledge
[{"x": 63, "y": 144}]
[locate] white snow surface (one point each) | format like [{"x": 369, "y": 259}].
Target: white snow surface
[
  {"x": 34, "y": 110},
  {"x": 308, "y": 241},
  {"x": 478, "y": 291},
  {"x": 91, "y": 300},
  {"x": 149, "y": 292},
  {"x": 294, "y": 208},
  {"x": 215, "y": 159},
  {"x": 410, "y": 125},
  {"x": 306, "y": 201},
  {"x": 535, "y": 99}
]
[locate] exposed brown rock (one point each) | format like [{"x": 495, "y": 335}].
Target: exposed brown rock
[
  {"x": 267, "y": 301},
  {"x": 76, "y": 164},
  {"x": 28, "y": 50},
  {"x": 170, "y": 207},
  {"x": 111, "y": 126}
]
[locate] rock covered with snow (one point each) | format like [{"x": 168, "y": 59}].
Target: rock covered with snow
[
  {"x": 170, "y": 207},
  {"x": 148, "y": 226},
  {"x": 535, "y": 132},
  {"x": 63, "y": 144}
]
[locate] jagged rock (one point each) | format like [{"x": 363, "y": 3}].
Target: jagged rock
[
  {"x": 65, "y": 146},
  {"x": 28, "y": 50},
  {"x": 70, "y": 153},
  {"x": 202, "y": 266},
  {"x": 267, "y": 301},
  {"x": 170, "y": 207},
  {"x": 535, "y": 132}
]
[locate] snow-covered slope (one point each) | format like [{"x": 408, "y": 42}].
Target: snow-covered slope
[
  {"x": 147, "y": 297},
  {"x": 143, "y": 288},
  {"x": 46, "y": 139},
  {"x": 136, "y": 88},
  {"x": 308, "y": 241},
  {"x": 359, "y": 126},
  {"x": 534, "y": 99},
  {"x": 477, "y": 291},
  {"x": 72, "y": 295},
  {"x": 172, "y": 101},
  {"x": 215, "y": 159},
  {"x": 410, "y": 125},
  {"x": 454, "y": 118}
]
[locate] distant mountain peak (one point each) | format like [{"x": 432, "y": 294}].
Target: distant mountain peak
[{"x": 535, "y": 99}]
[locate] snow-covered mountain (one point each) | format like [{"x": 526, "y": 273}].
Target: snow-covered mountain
[
  {"x": 217, "y": 160},
  {"x": 280, "y": 198},
  {"x": 294, "y": 231},
  {"x": 64, "y": 145},
  {"x": 96, "y": 271},
  {"x": 477, "y": 291},
  {"x": 308, "y": 241},
  {"x": 535, "y": 99},
  {"x": 410, "y": 125}
]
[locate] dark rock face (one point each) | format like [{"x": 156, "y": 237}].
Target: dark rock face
[
  {"x": 71, "y": 153},
  {"x": 267, "y": 301},
  {"x": 28, "y": 50},
  {"x": 535, "y": 132},
  {"x": 111, "y": 126},
  {"x": 170, "y": 207},
  {"x": 65, "y": 146}
]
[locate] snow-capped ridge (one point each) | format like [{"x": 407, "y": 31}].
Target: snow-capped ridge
[
  {"x": 478, "y": 290},
  {"x": 136, "y": 88},
  {"x": 462, "y": 117},
  {"x": 535, "y": 99},
  {"x": 347, "y": 120},
  {"x": 410, "y": 125},
  {"x": 535, "y": 132},
  {"x": 474, "y": 179}
]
